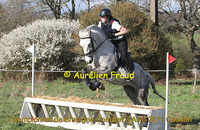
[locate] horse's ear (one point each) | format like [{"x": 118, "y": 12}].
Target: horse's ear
[
  {"x": 87, "y": 33},
  {"x": 84, "y": 33}
]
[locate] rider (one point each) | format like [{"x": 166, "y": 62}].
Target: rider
[{"x": 116, "y": 33}]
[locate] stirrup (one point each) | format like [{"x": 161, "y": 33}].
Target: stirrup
[
  {"x": 129, "y": 79},
  {"x": 129, "y": 72}
]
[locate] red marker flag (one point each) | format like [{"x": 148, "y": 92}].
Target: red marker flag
[{"x": 171, "y": 59}]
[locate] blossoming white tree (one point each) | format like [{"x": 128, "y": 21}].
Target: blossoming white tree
[{"x": 53, "y": 41}]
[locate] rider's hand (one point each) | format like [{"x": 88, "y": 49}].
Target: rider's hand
[{"x": 110, "y": 35}]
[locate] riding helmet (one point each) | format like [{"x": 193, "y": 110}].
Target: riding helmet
[{"x": 105, "y": 12}]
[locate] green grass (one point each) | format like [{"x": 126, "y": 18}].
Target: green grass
[{"x": 182, "y": 102}]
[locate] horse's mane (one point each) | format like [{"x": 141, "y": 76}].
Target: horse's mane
[
  {"x": 97, "y": 31},
  {"x": 93, "y": 27}
]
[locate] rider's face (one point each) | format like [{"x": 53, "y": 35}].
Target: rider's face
[{"x": 104, "y": 19}]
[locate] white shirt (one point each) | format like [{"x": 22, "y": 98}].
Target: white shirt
[{"x": 116, "y": 26}]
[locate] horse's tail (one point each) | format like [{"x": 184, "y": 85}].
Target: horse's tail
[{"x": 150, "y": 78}]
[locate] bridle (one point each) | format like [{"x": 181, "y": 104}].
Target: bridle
[{"x": 93, "y": 50}]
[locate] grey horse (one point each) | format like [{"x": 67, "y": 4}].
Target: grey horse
[{"x": 100, "y": 53}]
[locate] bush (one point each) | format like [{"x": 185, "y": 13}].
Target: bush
[
  {"x": 53, "y": 41},
  {"x": 180, "y": 65}
]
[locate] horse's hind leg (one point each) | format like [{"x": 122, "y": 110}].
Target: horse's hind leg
[
  {"x": 132, "y": 94},
  {"x": 143, "y": 94}
]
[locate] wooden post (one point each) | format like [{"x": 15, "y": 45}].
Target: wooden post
[
  {"x": 195, "y": 81},
  {"x": 154, "y": 11}
]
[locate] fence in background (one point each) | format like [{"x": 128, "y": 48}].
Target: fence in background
[{"x": 150, "y": 71}]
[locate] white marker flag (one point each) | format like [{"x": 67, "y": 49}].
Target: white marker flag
[{"x": 31, "y": 49}]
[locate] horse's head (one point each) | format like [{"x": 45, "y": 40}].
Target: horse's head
[
  {"x": 91, "y": 39},
  {"x": 86, "y": 44}
]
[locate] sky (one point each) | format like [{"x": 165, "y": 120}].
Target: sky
[{"x": 80, "y": 5}]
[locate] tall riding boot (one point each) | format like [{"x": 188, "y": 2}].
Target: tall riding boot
[
  {"x": 129, "y": 68},
  {"x": 128, "y": 65}
]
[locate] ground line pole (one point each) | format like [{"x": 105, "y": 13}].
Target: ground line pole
[
  {"x": 167, "y": 90},
  {"x": 33, "y": 68}
]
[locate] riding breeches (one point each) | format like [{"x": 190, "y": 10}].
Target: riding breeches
[{"x": 123, "y": 47}]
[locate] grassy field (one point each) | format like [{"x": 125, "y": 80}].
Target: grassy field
[{"x": 182, "y": 102}]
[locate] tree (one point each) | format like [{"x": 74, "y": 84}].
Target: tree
[
  {"x": 117, "y": 1},
  {"x": 184, "y": 17},
  {"x": 154, "y": 11},
  {"x": 72, "y": 11},
  {"x": 2, "y": 18},
  {"x": 88, "y": 3},
  {"x": 16, "y": 13},
  {"x": 56, "y": 7}
]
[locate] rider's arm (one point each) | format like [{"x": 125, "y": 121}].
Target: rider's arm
[{"x": 122, "y": 31}]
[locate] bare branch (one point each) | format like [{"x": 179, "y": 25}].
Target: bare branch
[
  {"x": 55, "y": 6},
  {"x": 68, "y": 8}
]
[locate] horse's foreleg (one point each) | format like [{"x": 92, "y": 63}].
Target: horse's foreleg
[
  {"x": 94, "y": 84},
  {"x": 87, "y": 80}
]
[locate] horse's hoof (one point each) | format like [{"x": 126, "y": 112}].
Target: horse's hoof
[{"x": 102, "y": 87}]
